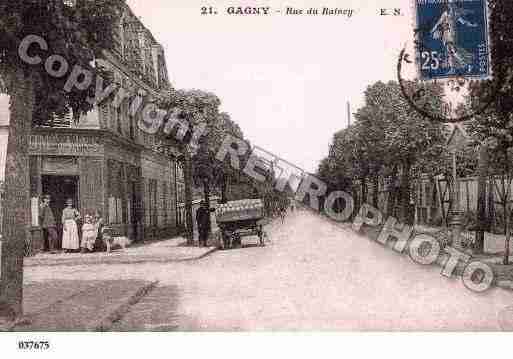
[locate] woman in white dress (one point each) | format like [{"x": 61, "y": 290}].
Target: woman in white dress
[{"x": 70, "y": 240}]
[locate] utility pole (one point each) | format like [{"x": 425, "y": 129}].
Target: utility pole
[
  {"x": 482, "y": 220},
  {"x": 188, "y": 195},
  {"x": 457, "y": 141},
  {"x": 348, "y": 114}
]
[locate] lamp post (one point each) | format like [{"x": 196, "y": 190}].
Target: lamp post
[
  {"x": 457, "y": 141},
  {"x": 456, "y": 215}
]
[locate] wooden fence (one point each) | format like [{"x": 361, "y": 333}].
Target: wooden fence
[{"x": 429, "y": 199}]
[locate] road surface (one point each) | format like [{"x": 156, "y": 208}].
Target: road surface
[{"x": 313, "y": 275}]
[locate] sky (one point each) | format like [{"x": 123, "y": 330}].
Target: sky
[{"x": 284, "y": 79}]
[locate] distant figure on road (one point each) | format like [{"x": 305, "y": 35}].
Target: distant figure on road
[{"x": 203, "y": 220}]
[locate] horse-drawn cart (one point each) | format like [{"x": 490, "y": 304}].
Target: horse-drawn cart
[{"x": 237, "y": 219}]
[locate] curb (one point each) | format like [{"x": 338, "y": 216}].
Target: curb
[
  {"x": 210, "y": 251},
  {"x": 105, "y": 323},
  {"x": 122, "y": 261}
]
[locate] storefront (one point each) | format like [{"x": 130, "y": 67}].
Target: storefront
[{"x": 132, "y": 187}]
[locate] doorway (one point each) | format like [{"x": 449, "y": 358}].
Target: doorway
[
  {"x": 134, "y": 210},
  {"x": 60, "y": 188}
]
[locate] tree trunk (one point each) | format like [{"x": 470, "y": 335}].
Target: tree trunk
[
  {"x": 188, "y": 196},
  {"x": 405, "y": 193},
  {"x": 392, "y": 195},
  {"x": 491, "y": 206},
  {"x": 506, "y": 232},
  {"x": 224, "y": 189},
  {"x": 507, "y": 196},
  {"x": 16, "y": 201},
  {"x": 206, "y": 193},
  {"x": 483, "y": 223},
  {"x": 364, "y": 190},
  {"x": 375, "y": 193},
  {"x": 357, "y": 203}
]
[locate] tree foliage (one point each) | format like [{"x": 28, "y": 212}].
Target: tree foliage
[
  {"x": 388, "y": 138},
  {"x": 494, "y": 125},
  {"x": 77, "y": 31},
  {"x": 200, "y": 109}
]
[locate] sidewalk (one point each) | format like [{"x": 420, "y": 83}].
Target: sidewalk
[
  {"x": 170, "y": 250},
  {"x": 493, "y": 255},
  {"x": 503, "y": 274},
  {"x": 493, "y": 243},
  {"x": 77, "y": 305}
]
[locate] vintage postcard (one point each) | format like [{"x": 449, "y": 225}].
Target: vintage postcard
[{"x": 274, "y": 166}]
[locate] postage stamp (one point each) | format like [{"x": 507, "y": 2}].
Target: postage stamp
[{"x": 452, "y": 39}]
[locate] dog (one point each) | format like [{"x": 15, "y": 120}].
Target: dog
[{"x": 111, "y": 241}]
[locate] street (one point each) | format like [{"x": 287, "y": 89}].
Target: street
[{"x": 312, "y": 275}]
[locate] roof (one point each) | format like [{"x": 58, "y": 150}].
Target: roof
[{"x": 458, "y": 138}]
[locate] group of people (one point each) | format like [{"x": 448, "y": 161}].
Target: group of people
[{"x": 93, "y": 228}]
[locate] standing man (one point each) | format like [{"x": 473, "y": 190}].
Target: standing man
[
  {"x": 203, "y": 220},
  {"x": 48, "y": 224}
]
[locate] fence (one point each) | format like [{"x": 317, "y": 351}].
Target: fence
[
  {"x": 431, "y": 196},
  {"x": 429, "y": 199}
]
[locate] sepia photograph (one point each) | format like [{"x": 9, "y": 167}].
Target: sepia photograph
[{"x": 337, "y": 171}]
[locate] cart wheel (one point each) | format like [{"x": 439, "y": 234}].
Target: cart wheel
[
  {"x": 261, "y": 236},
  {"x": 219, "y": 240},
  {"x": 225, "y": 240},
  {"x": 262, "y": 242}
]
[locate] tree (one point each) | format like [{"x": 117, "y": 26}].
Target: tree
[
  {"x": 389, "y": 138},
  {"x": 493, "y": 127},
  {"x": 200, "y": 110},
  {"x": 408, "y": 137},
  {"x": 223, "y": 173},
  {"x": 78, "y": 33}
]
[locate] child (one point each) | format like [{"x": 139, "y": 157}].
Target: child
[
  {"x": 104, "y": 235},
  {"x": 89, "y": 232}
]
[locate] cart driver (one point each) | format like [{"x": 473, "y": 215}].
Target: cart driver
[{"x": 203, "y": 220}]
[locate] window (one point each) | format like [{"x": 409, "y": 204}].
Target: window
[
  {"x": 132, "y": 120},
  {"x": 116, "y": 185},
  {"x": 165, "y": 199},
  {"x": 119, "y": 118},
  {"x": 171, "y": 205},
  {"x": 70, "y": 3},
  {"x": 152, "y": 202}
]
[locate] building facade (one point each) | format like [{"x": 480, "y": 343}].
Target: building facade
[{"x": 104, "y": 162}]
